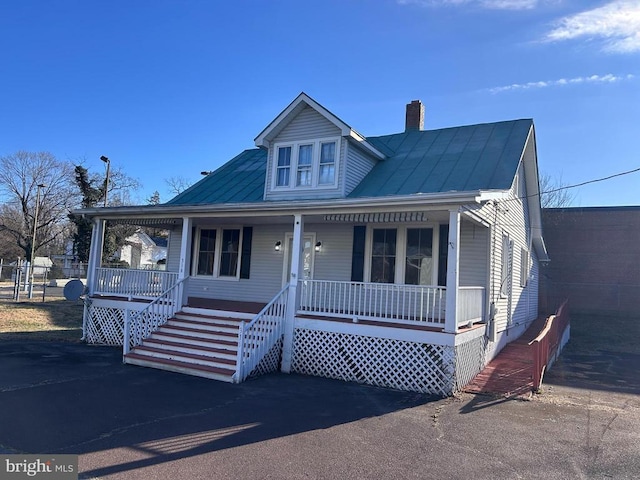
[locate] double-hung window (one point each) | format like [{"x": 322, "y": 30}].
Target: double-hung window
[
  {"x": 402, "y": 255},
  {"x": 327, "y": 173},
  {"x": 419, "y": 257},
  {"x": 306, "y": 164},
  {"x": 218, "y": 252},
  {"x": 383, "y": 255},
  {"x": 283, "y": 167},
  {"x": 206, "y": 252}
]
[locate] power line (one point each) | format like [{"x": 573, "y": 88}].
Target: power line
[
  {"x": 602, "y": 179},
  {"x": 581, "y": 184}
]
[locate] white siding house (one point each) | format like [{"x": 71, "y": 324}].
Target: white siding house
[{"x": 405, "y": 260}]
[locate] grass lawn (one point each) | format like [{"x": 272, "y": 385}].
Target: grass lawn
[{"x": 55, "y": 319}]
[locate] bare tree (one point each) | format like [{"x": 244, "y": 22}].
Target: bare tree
[
  {"x": 91, "y": 188},
  {"x": 554, "y": 192},
  {"x": 20, "y": 175},
  {"x": 177, "y": 185}
]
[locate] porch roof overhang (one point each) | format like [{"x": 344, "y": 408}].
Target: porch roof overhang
[{"x": 172, "y": 214}]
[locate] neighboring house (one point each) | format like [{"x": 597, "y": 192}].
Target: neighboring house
[
  {"x": 141, "y": 251},
  {"x": 68, "y": 262},
  {"x": 596, "y": 260},
  {"x": 405, "y": 260}
]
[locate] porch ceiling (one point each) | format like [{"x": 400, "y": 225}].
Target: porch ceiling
[
  {"x": 432, "y": 216},
  {"x": 147, "y": 222}
]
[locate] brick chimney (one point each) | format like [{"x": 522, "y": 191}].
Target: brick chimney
[{"x": 415, "y": 116}]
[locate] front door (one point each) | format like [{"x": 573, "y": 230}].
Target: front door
[{"x": 307, "y": 257}]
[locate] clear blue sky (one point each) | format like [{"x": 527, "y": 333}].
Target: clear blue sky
[{"x": 170, "y": 88}]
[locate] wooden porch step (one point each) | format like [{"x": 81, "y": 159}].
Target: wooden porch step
[
  {"x": 189, "y": 347},
  {"x": 210, "y": 318},
  {"x": 199, "y": 359},
  {"x": 215, "y": 373},
  {"x": 212, "y": 325},
  {"x": 171, "y": 336},
  {"x": 199, "y": 333}
]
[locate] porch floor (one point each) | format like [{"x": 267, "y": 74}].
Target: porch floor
[
  {"x": 376, "y": 323},
  {"x": 510, "y": 374},
  {"x": 226, "y": 305}
]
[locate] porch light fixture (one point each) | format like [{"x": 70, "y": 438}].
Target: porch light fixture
[
  {"x": 318, "y": 246},
  {"x": 277, "y": 246}
]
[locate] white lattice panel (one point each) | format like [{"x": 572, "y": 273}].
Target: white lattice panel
[
  {"x": 402, "y": 365},
  {"x": 104, "y": 326},
  {"x": 470, "y": 360},
  {"x": 271, "y": 361}
]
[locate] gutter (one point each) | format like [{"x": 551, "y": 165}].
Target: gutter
[{"x": 452, "y": 199}]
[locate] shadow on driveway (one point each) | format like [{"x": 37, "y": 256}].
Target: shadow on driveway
[{"x": 66, "y": 398}]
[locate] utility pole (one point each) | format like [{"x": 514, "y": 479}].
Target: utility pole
[{"x": 33, "y": 240}]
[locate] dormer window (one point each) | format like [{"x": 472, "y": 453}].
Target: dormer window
[
  {"x": 306, "y": 164},
  {"x": 327, "y": 163},
  {"x": 283, "y": 169}
]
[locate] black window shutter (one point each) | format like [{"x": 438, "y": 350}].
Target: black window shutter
[
  {"x": 357, "y": 257},
  {"x": 194, "y": 252},
  {"x": 245, "y": 259},
  {"x": 443, "y": 255}
]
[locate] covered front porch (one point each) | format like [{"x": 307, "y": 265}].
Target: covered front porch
[{"x": 409, "y": 280}]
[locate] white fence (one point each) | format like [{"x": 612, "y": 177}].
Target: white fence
[
  {"x": 424, "y": 305},
  {"x": 134, "y": 283}
]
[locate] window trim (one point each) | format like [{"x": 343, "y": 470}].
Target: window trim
[
  {"x": 217, "y": 255},
  {"x": 315, "y": 165},
  {"x": 401, "y": 250}
]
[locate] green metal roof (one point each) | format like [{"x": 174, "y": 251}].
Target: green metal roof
[
  {"x": 241, "y": 180},
  {"x": 467, "y": 158}
]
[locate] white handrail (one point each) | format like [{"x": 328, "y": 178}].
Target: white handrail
[
  {"x": 139, "y": 325},
  {"x": 471, "y": 305},
  {"x": 412, "y": 304},
  {"x": 134, "y": 283},
  {"x": 257, "y": 337}
]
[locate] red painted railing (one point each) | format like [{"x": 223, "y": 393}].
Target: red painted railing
[{"x": 546, "y": 347}]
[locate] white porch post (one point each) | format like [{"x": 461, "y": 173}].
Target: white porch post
[
  {"x": 185, "y": 251},
  {"x": 292, "y": 299},
  {"x": 453, "y": 278},
  {"x": 95, "y": 253}
]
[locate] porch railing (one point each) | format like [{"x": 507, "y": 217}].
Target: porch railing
[
  {"x": 546, "y": 347},
  {"x": 257, "y": 338},
  {"x": 471, "y": 305},
  {"x": 424, "y": 305},
  {"x": 139, "y": 325},
  {"x": 133, "y": 283}
]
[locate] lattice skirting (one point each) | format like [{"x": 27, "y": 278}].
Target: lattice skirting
[
  {"x": 416, "y": 367},
  {"x": 470, "y": 360},
  {"x": 104, "y": 326},
  {"x": 271, "y": 361}
]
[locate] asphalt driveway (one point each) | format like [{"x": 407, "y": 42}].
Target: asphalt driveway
[{"x": 130, "y": 422}]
